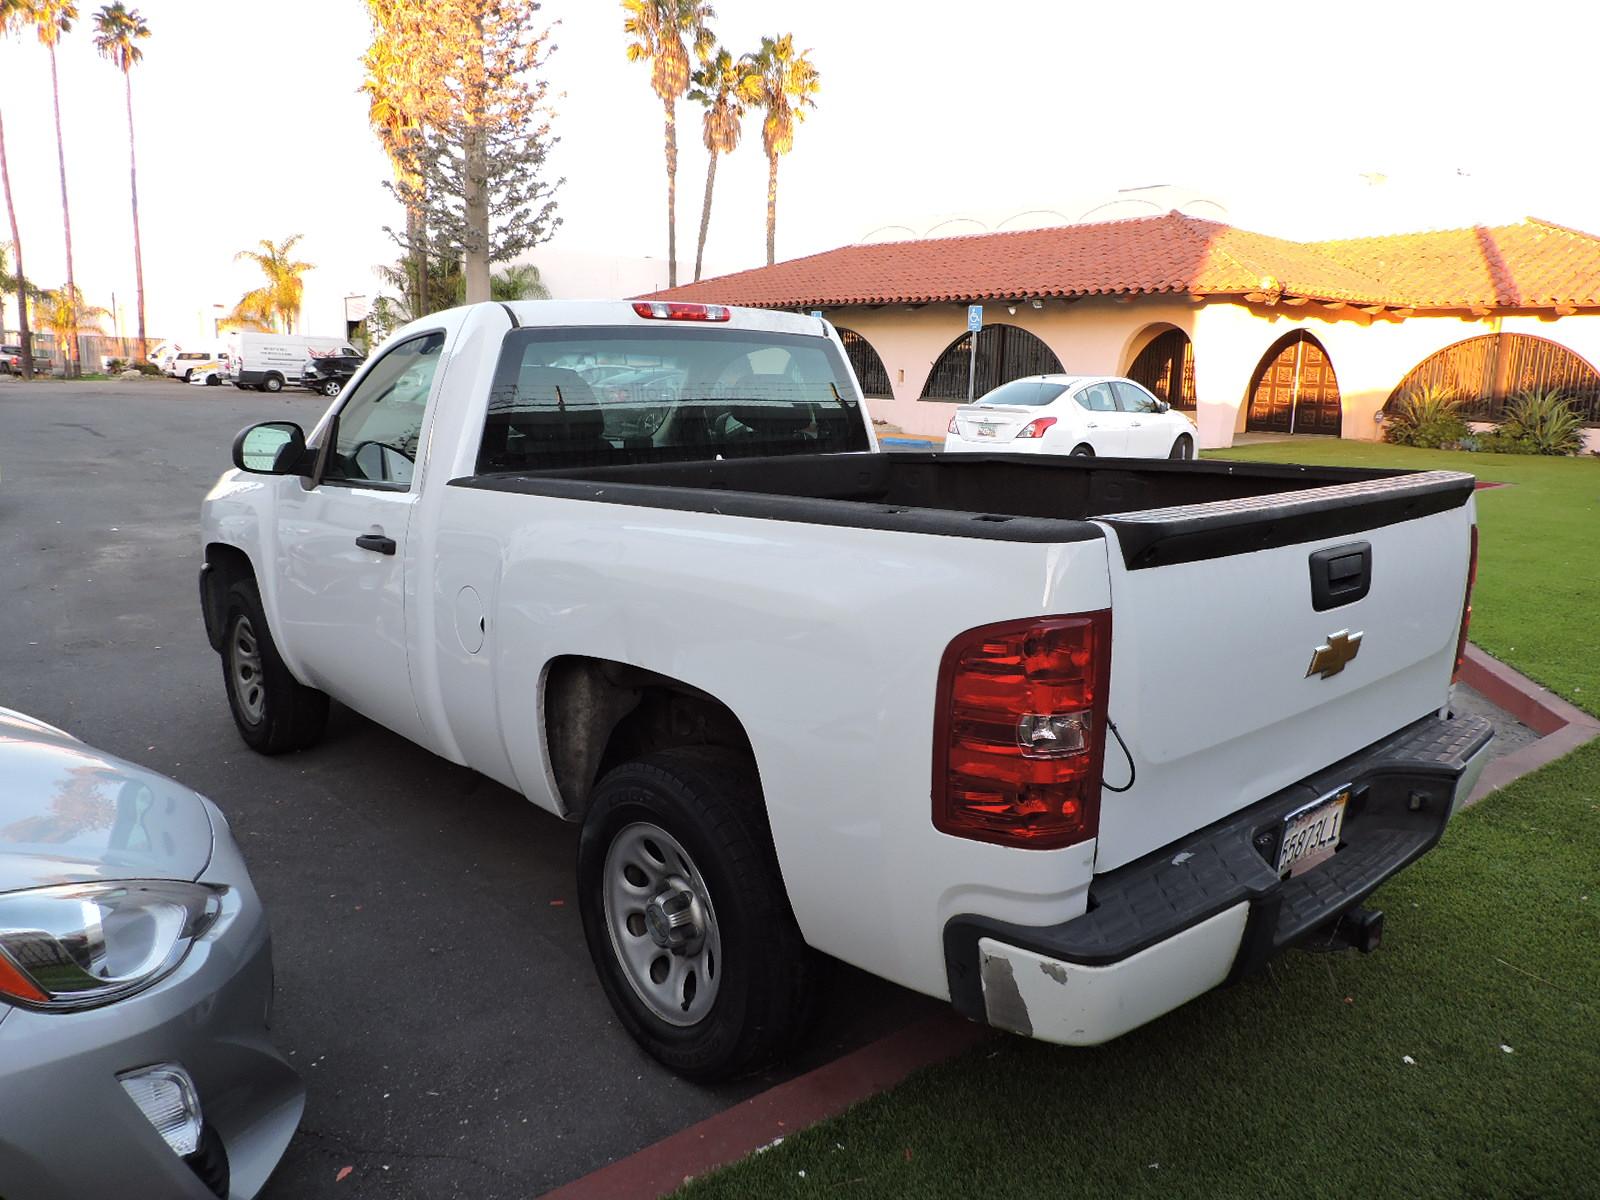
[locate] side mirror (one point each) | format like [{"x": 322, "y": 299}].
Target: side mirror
[
  {"x": 1162, "y": 406},
  {"x": 271, "y": 448}
]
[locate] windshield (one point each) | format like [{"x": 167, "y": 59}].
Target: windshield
[
  {"x": 1023, "y": 391},
  {"x": 600, "y": 397}
]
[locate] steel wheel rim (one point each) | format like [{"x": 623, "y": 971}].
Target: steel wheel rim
[
  {"x": 244, "y": 667},
  {"x": 654, "y": 895}
]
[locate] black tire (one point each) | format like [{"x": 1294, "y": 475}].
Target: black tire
[
  {"x": 280, "y": 714},
  {"x": 188, "y": 375},
  {"x": 331, "y": 388},
  {"x": 1082, "y": 450},
  {"x": 272, "y": 383},
  {"x": 710, "y": 802},
  {"x": 213, "y": 381},
  {"x": 1183, "y": 448}
]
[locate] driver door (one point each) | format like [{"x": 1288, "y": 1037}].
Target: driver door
[{"x": 341, "y": 558}]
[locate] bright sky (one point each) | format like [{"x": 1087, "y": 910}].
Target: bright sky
[{"x": 1303, "y": 120}]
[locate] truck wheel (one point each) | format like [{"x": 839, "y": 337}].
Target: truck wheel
[
  {"x": 686, "y": 918},
  {"x": 274, "y": 711},
  {"x": 1183, "y": 448},
  {"x": 187, "y": 376},
  {"x": 272, "y": 383}
]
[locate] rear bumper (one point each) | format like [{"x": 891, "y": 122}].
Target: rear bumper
[{"x": 1210, "y": 907}]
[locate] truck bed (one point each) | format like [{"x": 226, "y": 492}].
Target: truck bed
[{"x": 1163, "y": 512}]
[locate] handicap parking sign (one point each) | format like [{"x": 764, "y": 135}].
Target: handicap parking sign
[{"x": 974, "y": 318}]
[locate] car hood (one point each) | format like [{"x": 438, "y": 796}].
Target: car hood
[{"x": 69, "y": 813}]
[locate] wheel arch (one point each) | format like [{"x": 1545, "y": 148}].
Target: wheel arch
[
  {"x": 598, "y": 713},
  {"x": 224, "y": 566}
]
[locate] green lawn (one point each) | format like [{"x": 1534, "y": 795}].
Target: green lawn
[
  {"x": 1537, "y": 604},
  {"x": 1296, "y": 1084}
]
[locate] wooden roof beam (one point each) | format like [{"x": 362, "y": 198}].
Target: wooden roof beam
[
  {"x": 1296, "y": 301},
  {"x": 1334, "y": 305}
]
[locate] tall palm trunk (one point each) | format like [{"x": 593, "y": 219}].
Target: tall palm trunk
[
  {"x": 772, "y": 206},
  {"x": 133, "y": 182},
  {"x": 705, "y": 217},
  {"x": 16, "y": 248},
  {"x": 672, "y": 192},
  {"x": 69, "y": 357}
]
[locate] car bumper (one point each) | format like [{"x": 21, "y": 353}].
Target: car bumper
[
  {"x": 1009, "y": 445},
  {"x": 67, "y": 1128},
  {"x": 1210, "y": 907}
]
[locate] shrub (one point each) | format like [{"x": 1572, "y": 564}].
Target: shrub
[
  {"x": 1429, "y": 417},
  {"x": 145, "y": 368},
  {"x": 115, "y": 366},
  {"x": 1542, "y": 421}
]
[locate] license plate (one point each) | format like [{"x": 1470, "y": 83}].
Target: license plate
[
  {"x": 985, "y": 430},
  {"x": 1311, "y": 835}
]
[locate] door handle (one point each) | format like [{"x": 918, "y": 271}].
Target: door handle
[
  {"x": 376, "y": 541},
  {"x": 1092, "y": 425}
]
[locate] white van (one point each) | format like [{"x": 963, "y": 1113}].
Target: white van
[
  {"x": 180, "y": 362},
  {"x": 269, "y": 361}
]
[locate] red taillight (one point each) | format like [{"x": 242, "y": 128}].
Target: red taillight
[
  {"x": 1036, "y": 427},
  {"x": 1019, "y": 731},
  {"x": 952, "y": 428},
  {"x": 1466, "y": 606},
  {"x": 671, "y": 310}
]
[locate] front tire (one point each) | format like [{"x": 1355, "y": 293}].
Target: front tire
[
  {"x": 187, "y": 376},
  {"x": 331, "y": 388},
  {"x": 686, "y": 918},
  {"x": 1183, "y": 448},
  {"x": 275, "y": 713}
]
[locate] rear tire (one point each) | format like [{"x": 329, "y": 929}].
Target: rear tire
[
  {"x": 1082, "y": 450},
  {"x": 272, "y": 383},
  {"x": 682, "y": 836},
  {"x": 331, "y": 388},
  {"x": 187, "y": 376},
  {"x": 274, "y": 711},
  {"x": 1183, "y": 448}
]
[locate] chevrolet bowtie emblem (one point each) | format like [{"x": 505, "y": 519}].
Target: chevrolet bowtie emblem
[{"x": 1330, "y": 657}]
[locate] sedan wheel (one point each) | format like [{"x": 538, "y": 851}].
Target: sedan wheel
[
  {"x": 331, "y": 388},
  {"x": 1183, "y": 448}
]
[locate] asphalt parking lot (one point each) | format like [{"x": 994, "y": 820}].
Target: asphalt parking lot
[{"x": 433, "y": 984}]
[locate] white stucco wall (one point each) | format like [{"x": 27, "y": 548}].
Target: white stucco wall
[{"x": 1370, "y": 355}]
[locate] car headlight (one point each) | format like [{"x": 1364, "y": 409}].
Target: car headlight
[{"x": 80, "y": 945}]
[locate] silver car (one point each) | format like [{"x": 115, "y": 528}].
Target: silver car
[{"x": 135, "y": 985}]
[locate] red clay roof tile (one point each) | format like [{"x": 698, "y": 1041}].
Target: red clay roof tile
[{"x": 1532, "y": 265}]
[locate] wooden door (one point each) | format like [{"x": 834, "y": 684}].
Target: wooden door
[{"x": 1295, "y": 391}]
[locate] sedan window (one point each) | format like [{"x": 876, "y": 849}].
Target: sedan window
[
  {"x": 1018, "y": 391},
  {"x": 1096, "y": 398},
  {"x": 1134, "y": 399}
]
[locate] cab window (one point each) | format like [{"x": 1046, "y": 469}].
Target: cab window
[{"x": 376, "y": 432}]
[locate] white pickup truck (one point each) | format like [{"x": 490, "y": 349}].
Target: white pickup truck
[{"x": 1065, "y": 741}]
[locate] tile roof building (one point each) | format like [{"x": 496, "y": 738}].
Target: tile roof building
[{"x": 1249, "y": 330}]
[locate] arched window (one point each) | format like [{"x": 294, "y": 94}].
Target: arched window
[
  {"x": 864, "y": 361},
  {"x": 1484, "y": 372},
  {"x": 1005, "y": 352},
  {"x": 1166, "y": 368},
  {"x": 1294, "y": 389}
]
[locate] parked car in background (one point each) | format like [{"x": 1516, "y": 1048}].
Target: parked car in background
[
  {"x": 1085, "y": 415},
  {"x": 269, "y": 362},
  {"x": 328, "y": 373},
  {"x": 157, "y": 352},
  {"x": 952, "y": 720},
  {"x": 209, "y": 373},
  {"x": 10, "y": 360},
  {"x": 186, "y": 362},
  {"x": 135, "y": 978}
]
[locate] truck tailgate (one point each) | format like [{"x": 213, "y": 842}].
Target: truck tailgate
[{"x": 1227, "y": 683}]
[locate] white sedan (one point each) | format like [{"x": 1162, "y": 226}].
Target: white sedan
[{"x": 1073, "y": 414}]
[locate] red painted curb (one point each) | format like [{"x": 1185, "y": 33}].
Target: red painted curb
[
  {"x": 777, "y": 1112},
  {"x": 1561, "y": 727}
]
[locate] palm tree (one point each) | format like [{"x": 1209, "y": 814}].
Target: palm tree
[
  {"x": 396, "y": 106},
  {"x": 117, "y": 32},
  {"x": 51, "y": 19},
  {"x": 519, "y": 282},
  {"x": 65, "y": 314},
  {"x": 781, "y": 83},
  {"x": 716, "y": 85},
  {"x": 658, "y": 28},
  {"x": 280, "y": 298},
  {"x": 13, "y": 15}
]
